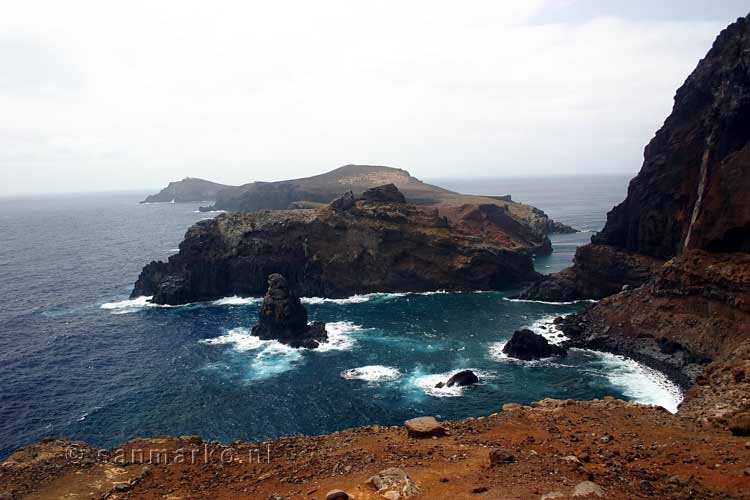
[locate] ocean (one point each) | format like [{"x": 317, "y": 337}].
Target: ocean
[{"x": 79, "y": 360}]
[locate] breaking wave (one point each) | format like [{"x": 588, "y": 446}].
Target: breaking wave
[
  {"x": 372, "y": 373},
  {"x": 427, "y": 382}
]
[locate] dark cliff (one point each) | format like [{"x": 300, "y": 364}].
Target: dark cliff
[
  {"x": 693, "y": 191},
  {"x": 352, "y": 246},
  {"x": 678, "y": 247},
  {"x": 188, "y": 189}
]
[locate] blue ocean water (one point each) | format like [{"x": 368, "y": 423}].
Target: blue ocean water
[{"x": 80, "y": 360}]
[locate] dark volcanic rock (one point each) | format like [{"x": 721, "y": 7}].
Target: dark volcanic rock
[
  {"x": 693, "y": 191},
  {"x": 284, "y": 318},
  {"x": 598, "y": 271},
  {"x": 372, "y": 247},
  {"x": 388, "y": 193},
  {"x": 527, "y": 345},
  {"x": 462, "y": 378}
]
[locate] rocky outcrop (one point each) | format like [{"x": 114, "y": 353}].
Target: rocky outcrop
[
  {"x": 283, "y": 317},
  {"x": 335, "y": 251},
  {"x": 527, "y": 345},
  {"x": 692, "y": 191},
  {"x": 188, "y": 189},
  {"x": 688, "y": 207},
  {"x": 598, "y": 271},
  {"x": 460, "y": 379}
]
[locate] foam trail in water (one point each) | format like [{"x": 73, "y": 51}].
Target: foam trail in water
[
  {"x": 339, "y": 336},
  {"x": 639, "y": 382},
  {"x": 267, "y": 357},
  {"x": 372, "y": 373},
  {"x": 237, "y": 301},
  {"x": 129, "y": 306},
  {"x": 570, "y": 302}
]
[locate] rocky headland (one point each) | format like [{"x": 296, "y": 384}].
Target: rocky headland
[
  {"x": 672, "y": 264},
  {"x": 188, "y": 189},
  {"x": 392, "y": 245}
]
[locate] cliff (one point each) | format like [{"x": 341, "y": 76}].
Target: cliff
[
  {"x": 188, "y": 189},
  {"x": 672, "y": 262},
  {"x": 391, "y": 246}
]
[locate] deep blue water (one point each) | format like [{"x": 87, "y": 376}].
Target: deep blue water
[{"x": 78, "y": 360}]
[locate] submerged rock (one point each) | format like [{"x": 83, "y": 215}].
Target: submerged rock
[
  {"x": 527, "y": 345},
  {"x": 284, "y": 318}
]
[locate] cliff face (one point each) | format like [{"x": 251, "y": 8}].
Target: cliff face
[
  {"x": 693, "y": 191},
  {"x": 689, "y": 315},
  {"x": 187, "y": 190},
  {"x": 352, "y": 246}
]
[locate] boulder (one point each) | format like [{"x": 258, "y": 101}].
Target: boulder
[
  {"x": 463, "y": 378},
  {"x": 283, "y": 317},
  {"x": 739, "y": 425},
  {"x": 587, "y": 488},
  {"x": 337, "y": 495},
  {"x": 388, "y": 193},
  {"x": 501, "y": 456},
  {"x": 527, "y": 345},
  {"x": 393, "y": 483},
  {"x": 424, "y": 427},
  {"x": 343, "y": 202}
]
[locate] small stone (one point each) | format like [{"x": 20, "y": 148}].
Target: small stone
[
  {"x": 337, "y": 495},
  {"x": 121, "y": 486},
  {"x": 376, "y": 482},
  {"x": 391, "y": 495},
  {"x": 572, "y": 459},
  {"x": 585, "y": 488},
  {"x": 501, "y": 456},
  {"x": 552, "y": 494},
  {"x": 424, "y": 427}
]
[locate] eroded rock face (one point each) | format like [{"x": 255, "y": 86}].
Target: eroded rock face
[
  {"x": 372, "y": 246},
  {"x": 527, "y": 345},
  {"x": 693, "y": 191},
  {"x": 284, "y": 318}
]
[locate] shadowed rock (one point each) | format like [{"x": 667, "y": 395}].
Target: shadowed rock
[
  {"x": 462, "y": 379},
  {"x": 284, "y": 318},
  {"x": 527, "y": 345}
]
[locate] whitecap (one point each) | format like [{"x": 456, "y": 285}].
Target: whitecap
[
  {"x": 372, "y": 373},
  {"x": 130, "y": 305},
  {"x": 267, "y": 357},
  {"x": 496, "y": 350},
  {"x": 339, "y": 336},
  {"x": 568, "y": 303},
  {"x": 428, "y": 382},
  {"x": 209, "y": 211},
  {"x": 237, "y": 301},
  {"x": 354, "y": 299},
  {"x": 639, "y": 382}
]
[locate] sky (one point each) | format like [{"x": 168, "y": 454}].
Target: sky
[{"x": 98, "y": 96}]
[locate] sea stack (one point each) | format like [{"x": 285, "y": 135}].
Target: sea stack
[
  {"x": 284, "y": 318},
  {"x": 527, "y": 345}
]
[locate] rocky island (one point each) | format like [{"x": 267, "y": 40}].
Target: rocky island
[{"x": 392, "y": 245}]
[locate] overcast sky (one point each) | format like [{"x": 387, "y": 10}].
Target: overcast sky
[{"x": 100, "y": 95}]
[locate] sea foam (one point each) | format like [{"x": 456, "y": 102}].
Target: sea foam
[
  {"x": 372, "y": 373},
  {"x": 427, "y": 382}
]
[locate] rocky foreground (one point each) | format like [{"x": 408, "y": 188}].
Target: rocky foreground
[
  {"x": 373, "y": 243},
  {"x": 551, "y": 449}
]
